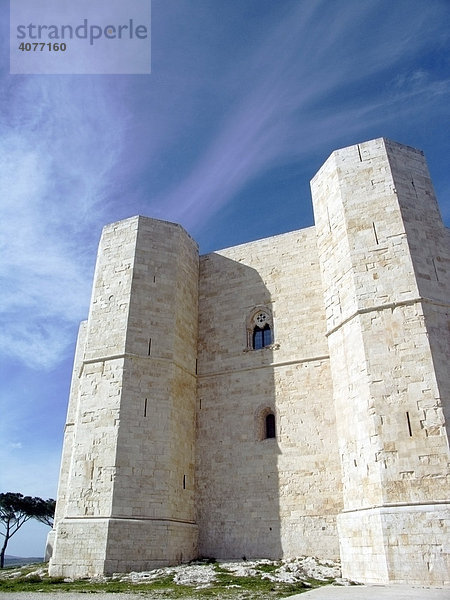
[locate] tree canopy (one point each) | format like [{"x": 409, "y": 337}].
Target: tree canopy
[{"x": 16, "y": 509}]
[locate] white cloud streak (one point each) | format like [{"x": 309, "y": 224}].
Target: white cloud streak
[
  {"x": 67, "y": 142},
  {"x": 309, "y": 57},
  {"x": 51, "y": 191}
]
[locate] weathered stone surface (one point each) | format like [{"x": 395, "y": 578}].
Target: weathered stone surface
[
  {"x": 126, "y": 498},
  {"x": 167, "y": 454},
  {"x": 379, "y": 237}
]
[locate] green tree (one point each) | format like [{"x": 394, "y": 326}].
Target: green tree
[{"x": 16, "y": 509}]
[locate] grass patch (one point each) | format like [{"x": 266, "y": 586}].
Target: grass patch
[
  {"x": 226, "y": 586},
  {"x": 269, "y": 568},
  {"x": 49, "y": 584}
]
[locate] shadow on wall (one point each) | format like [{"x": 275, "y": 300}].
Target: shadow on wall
[{"x": 237, "y": 427}]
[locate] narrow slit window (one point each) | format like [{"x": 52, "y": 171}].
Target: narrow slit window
[
  {"x": 409, "y": 424},
  {"x": 375, "y": 233},
  {"x": 270, "y": 426},
  {"x": 435, "y": 270}
]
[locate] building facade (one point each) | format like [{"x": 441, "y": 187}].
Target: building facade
[{"x": 285, "y": 397}]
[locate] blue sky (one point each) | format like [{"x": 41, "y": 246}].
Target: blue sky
[{"x": 246, "y": 100}]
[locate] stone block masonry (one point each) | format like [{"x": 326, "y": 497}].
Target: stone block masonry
[
  {"x": 379, "y": 232},
  {"x": 128, "y": 465},
  {"x": 285, "y": 397}
]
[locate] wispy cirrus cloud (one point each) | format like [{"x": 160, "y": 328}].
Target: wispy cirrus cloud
[
  {"x": 290, "y": 91},
  {"x": 55, "y": 159},
  {"x": 76, "y": 151}
]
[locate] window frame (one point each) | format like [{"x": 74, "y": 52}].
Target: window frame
[
  {"x": 260, "y": 321},
  {"x": 262, "y": 413}
]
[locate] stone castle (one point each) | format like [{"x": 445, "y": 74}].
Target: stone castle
[{"x": 284, "y": 397}]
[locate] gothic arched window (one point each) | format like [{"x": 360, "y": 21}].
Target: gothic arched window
[{"x": 259, "y": 329}]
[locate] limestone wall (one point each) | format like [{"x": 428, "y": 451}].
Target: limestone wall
[
  {"x": 87, "y": 504},
  {"x": 69, "y": 429},
  {"x": 265, "y": 497},
  {"x": 155, "y": 456},
  {"x": 69, "y": 440},
  {"x": 127, "y": 490},
  {"x": 377, "y": 232}
]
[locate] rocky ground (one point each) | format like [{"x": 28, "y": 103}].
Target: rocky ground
[
  {"x": 203, "y": 575},
  {"x": 234, "y": 580}
]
